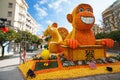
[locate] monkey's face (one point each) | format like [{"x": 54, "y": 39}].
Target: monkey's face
[{"x": 83, "y": 17}]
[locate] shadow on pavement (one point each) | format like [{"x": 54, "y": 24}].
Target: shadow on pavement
[{"x": 11, "y": 73}]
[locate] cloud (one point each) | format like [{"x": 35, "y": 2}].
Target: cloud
[
  {"x": 56, "y": 5},
  {"x": 49, "y": 22},
  {"x": 43, "y": 1},
  {"x": 40, "y": 28},
  {"x": 40, "y": 11},
  {"x": 49, "y": 11},
  {"x": 59, "y": 10}
]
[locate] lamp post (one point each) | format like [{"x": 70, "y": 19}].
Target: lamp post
[{"x": 3, "y": 19}]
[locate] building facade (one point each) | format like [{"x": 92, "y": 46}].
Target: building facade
[
  {"x": 18, "y": 18},
  {"x": 15, "y": 11},
  {"x": 30, "y": 24},
  {"x": 111, "y": 17},
  {"x": 96, "y": 29}
]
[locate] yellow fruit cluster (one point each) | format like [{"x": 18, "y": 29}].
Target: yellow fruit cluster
[
  {"x": 26, "y": 66},
  {"x": 110, "y": 54},
  {"x": 73, "y": 73},
  {"x": 45, "y": 54},
  {"x": 46, "y": 64},
  {"x": 69, "y": 73}
]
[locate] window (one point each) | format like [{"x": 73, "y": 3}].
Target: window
[
  {"x": 9, "y": 14},
  {"x": 9, "y": 22},
  {"x": 10, "y": 5}
]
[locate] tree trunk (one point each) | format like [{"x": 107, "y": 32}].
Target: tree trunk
[
  {"x": 119, "y": 43},
  {"x": 2, "y": 51}
]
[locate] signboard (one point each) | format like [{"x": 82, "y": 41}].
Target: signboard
[{"x": 85, "y": 52}]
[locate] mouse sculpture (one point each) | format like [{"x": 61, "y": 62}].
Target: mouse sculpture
[{"x": 56, "y": 36}]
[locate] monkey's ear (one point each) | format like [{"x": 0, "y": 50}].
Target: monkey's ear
[
  {"x": 54, "y": 25},
  {"x": 69, "y": 18}
]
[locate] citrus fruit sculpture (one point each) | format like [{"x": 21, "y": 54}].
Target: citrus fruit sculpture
[
  {"x": 74, "y": 54},
  {"x": 82, "y": 20},
  {"x": 57, "y": 36}
]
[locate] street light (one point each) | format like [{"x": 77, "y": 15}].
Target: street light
[{"x": 3, "y": 19}]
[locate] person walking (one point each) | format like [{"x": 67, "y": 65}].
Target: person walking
[
  {"x": 31, "y": 48},
  {"x": 23, "y": 56}
]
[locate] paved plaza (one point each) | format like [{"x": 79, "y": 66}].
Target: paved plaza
[{"x": 9, "y": 67}]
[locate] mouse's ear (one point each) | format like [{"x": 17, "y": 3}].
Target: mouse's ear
[{"x": 54, "y": 25}]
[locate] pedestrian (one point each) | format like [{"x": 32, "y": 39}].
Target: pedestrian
[
  {"x": 41, "y": 46},
  {"x": 31, "y": 48},
  {"x": 23, "y": 56}
]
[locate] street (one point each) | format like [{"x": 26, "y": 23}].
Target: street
[{"x": 10, "y": 73}]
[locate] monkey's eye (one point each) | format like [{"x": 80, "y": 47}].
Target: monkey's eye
[
  {"x": 88, "y": 9},
  {"x": 81, "y": 10}
]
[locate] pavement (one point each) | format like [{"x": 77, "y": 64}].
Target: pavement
[
  {"x": 9, "y": 69},
  {"x": 115, "y": 76}
]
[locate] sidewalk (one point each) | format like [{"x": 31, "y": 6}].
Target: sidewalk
[
  {"x": 9, "y": 67},
  {"x": 15, "y": 59}
]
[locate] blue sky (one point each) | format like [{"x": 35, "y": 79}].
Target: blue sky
[{"x": 45, "y": 12}]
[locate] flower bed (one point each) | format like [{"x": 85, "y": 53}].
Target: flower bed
[
  {"x": 58, "y": 71},
  {"x": 41, "y": 65}
]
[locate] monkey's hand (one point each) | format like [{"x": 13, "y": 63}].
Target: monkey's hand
[
  {"x": 72, "y": 43},
  {"x": 108, "y": 42}
]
